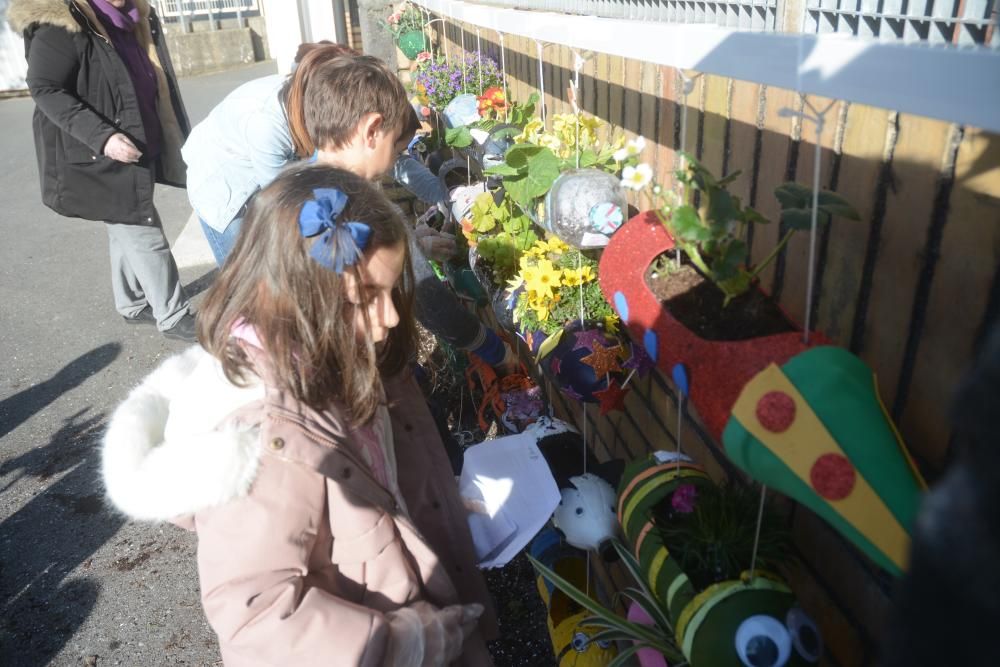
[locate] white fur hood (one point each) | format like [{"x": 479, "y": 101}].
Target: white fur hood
[{"x": 164, "y": 454}]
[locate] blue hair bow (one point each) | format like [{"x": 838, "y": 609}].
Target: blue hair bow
[{"x": 339, "y": 244}]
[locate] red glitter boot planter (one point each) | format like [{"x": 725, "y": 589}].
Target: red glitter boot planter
[{"x": 718, "y": 370}]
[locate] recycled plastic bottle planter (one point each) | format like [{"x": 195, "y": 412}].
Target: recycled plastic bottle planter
[
  {"x": 411, "y": 43},
  {"x": 500, "y": 301},
  {"x": 587, "y": 362},
  {"x": 815, "y": 429},
  {"x": 749, "y": 621},
  {"x": 718, "y": 370},
  {"x": 571, "y": 642},
  {"x": 585, "y": 207}
]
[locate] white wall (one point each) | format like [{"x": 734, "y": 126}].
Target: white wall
[
  {"x": 12, "y": 64},
  {"x": 291, "y": 22}
]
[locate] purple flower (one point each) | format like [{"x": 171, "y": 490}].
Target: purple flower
[{"x": 684, "y": 498}]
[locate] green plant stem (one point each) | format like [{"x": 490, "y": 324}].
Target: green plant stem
[{"x": 774, "y": 253}]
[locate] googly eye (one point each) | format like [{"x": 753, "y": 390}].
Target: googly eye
[
  {"x": 763, "y": 641},
  {"x": 580, "y": 641},
  {"x": 806, "y": 639}
]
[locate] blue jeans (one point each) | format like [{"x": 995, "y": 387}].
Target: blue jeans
[{"x": 221, "y": 243}]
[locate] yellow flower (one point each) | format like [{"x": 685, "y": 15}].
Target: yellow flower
[
  {"x": 543, "y": 279},
  {"x": 586, "y": 274},
  {"x": 571, "y": 278},
  {"x": 611, "y": 324},
  {"x": 541, "y": 311},
  {"x": 514, "y": 283}
]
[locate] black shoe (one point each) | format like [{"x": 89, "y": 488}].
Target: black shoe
[
  {"x": 144, "y": 316},
  {"x": 184, "y": 330}
]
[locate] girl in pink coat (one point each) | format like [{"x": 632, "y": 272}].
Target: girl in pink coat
[{"x": 298, "y": 446}]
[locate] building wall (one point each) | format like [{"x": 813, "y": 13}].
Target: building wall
[{"x": 910, "y": 289}]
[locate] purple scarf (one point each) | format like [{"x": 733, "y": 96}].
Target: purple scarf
[{"x": 121, "y": 26}]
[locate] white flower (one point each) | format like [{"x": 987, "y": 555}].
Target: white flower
[
  {"x": 638, "y": 177},
  {"x": 631, "y": 149}
]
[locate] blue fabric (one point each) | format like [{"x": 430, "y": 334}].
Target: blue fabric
[
  {"x": 340, "y": 242},
  {"x": 241, "y": 146},
  {"x": 492, "y": 350},
  {"x": 222, "y": 242}
]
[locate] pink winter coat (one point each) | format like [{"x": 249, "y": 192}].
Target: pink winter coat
[{"x": 301, "y": 552}]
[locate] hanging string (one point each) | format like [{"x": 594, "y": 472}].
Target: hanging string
[
  {"x": 541, "y": 83},
  {"x": 479, "y": 60},
  {"x": 820, "y": 120},
  {"x": 503, "y": 74},
  {"x": 756, "y": 536},
  {"x": 688, "y": 86},
  {"x": 578, "y": 63}
]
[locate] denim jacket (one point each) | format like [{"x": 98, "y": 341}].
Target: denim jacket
[{"x": 241, "y": 146}]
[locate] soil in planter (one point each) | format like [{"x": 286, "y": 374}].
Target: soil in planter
[{"x": 696, "y": 302}]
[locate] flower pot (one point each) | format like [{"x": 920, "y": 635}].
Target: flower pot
[
  {"x": 570, "y": 641},
  {"x": 816, "y": 430},
  {"x": 723, "y": 623},
  {"x": 717, "y": 370},
  {"x": 585, "y": 207},
  {"x": 411, "y": 43},
  {"x": 574, "y": 359}
]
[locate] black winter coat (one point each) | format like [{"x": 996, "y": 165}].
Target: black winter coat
[{"x": 83, "y": 94}]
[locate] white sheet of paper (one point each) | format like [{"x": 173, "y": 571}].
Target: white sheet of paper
[{"x": 511, "y": 479}]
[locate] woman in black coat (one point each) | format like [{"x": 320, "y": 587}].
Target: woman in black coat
[{"x": 108, "y": 125}]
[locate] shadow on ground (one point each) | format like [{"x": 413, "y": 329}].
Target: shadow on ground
[{"x": 51, "y": 536}]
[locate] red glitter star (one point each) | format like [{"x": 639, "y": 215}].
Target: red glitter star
[
  {"x": 612, "y": 398},
  {"x": 603, "y": 360}
]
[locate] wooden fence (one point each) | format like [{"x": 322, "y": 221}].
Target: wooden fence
[{"x": 911, "y": 289}]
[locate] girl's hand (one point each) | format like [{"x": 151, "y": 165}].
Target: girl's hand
[
  {"x": 120, "y": 148},
  {"x": 423, "y": 636},
  {"x": 437, "y": 246}
]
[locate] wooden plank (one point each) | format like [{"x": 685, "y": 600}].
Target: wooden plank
[
  {"x": 864, "y": 141},
  {"x": 632, "y": 82},
  {"x": 970, "y": 254},
  {"x": 848, "y": 573},
  {"x": 616, "y": 77},
  {"x": 648, "y": 105},
  {"x": 916, "y": 167},
  {"x": 793, "y": 295},
  {"x": 603, "y": 86},
  {"x": 588, "y": 86},
  {"x": 743, "y": 136},
  {"x": 775, "y": 145},
  {"x": 716, "y": 111},
  {"x": 665, "y": 149},
  {"x": 840, "y": 639}
]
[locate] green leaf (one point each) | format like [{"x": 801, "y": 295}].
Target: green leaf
[
  {"x": 796, "y": 206},
  {"x": 626, "y": 654},
  {"x": 729, "y": 178},
  {"x": 542, "y": 171},
  {"x": 518, "y": 154},
  {"x": 731, "y": 260},
  {"x": 588, "y": 158},
  {"x": 502, "y": 169},
  {"x": 458, "y": 137},
  {"x": 752, "y": 215},
  {"x": 594, "y": 607},
  {"x": 721, "y": 208},
  {"x": 685, "y": 223}
]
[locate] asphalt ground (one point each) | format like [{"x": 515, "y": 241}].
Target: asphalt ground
[{"x": 78, "y": 584}]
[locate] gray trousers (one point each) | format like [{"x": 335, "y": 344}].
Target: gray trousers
[{"x": 143, "y": 272}]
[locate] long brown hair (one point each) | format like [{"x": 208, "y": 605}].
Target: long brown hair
[{"x": 298, "y": 308}]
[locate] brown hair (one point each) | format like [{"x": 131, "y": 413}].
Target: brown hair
[
  {"x": 329, "y": 97},
  {"x": 308, "y": 56},
  {"x": 298, "y": 308}
]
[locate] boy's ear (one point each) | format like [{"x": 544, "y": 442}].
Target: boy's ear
[{"x": 371, "y": 127}]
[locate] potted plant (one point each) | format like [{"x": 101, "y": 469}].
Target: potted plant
[
  {"x": 714, "y": 286},
  {"x": 407, "y": 27},
  {"x": 439, "y": 81}
]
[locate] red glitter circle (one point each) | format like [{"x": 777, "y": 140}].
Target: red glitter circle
[
  {"x": 776, "y": 411},
  {"x": 832, "y": 475}
]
